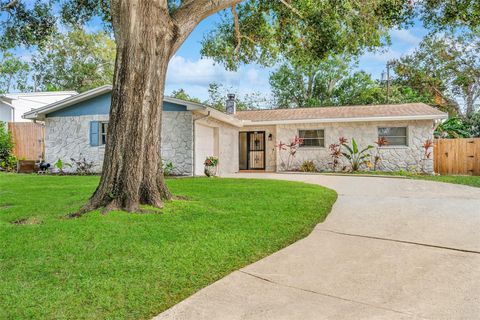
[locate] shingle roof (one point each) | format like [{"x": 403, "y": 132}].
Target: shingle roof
[{"x": 392, "y": 110}]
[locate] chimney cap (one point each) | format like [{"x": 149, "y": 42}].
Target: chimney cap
[{"x": 231, "y": 96}]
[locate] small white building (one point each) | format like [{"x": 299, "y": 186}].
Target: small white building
[{"x": 14, "y": 105}]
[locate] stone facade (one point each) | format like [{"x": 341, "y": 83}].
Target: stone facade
[
  {"x": 393, "y": 158},
  {"x": 69, "y": 137}
]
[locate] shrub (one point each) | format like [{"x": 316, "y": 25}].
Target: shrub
[
  {"x": 355, "y": 156},
  {"x": 60, "y": 166},
  {"x": 6, "y": 147},
  {"x": 452, "y": 128},
  {"x": 308, "y": 166},
  {"x": 82, "y": 166},
  {"x": 167, "y": 168},
  {"x": 9, "y": 163}
]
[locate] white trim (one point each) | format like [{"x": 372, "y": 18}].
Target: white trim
[
  {"x": 220, "y": 116},
  {"x": 359, "y": 119}
]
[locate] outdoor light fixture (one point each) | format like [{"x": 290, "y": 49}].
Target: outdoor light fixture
[{"x": 270, "y": 137}]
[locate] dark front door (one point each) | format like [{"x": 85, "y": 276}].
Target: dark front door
[{"x": 252, "y": 150}]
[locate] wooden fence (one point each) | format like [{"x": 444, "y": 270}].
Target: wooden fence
[
  {"x": 457, "y": 156},
  {"x": 28, "y": 139}
]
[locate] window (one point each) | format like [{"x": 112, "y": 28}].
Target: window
[
  {"x": 103, "y": 132},
  {"x": 312, "y": 138},
  {"x": 395, "y": 136}
]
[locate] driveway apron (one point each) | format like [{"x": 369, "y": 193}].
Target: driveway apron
[{"x": 390, "y": 249}]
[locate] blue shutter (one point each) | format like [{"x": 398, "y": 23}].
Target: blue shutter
[{"x": 94, "y": 132}]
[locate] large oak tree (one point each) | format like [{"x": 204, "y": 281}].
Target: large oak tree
[{"x": 149, "y": 32}]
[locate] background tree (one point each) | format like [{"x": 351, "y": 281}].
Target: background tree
[
  {"x": 149, "y": 32},
  {"x": 447, "y": 67},
  {"x": 13, "y": 73},
  {"x": 217, "y": 96},
  {"x": 182, "y": 94},
  {"x": 74, "y": 61},
  {"x": 333, "y": 83}
]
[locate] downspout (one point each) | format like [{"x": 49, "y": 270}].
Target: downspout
[{"x": 193, "y": 147}]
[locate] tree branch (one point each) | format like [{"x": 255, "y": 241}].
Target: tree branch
[
  {"x": 10, "y": 5},
  {"x": 192, "y": 12},
  {"x": 289, "y": 6},
  {"x": 237, "y": 31}
]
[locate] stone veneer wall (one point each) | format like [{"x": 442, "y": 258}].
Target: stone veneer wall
[
  {"x": 69, "y": 137},
  {"x": 394, "y": 158}
]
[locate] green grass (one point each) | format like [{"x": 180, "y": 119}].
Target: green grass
[
  {"x": 130, "y": 266},
  {"x": 473, "y": 181}
]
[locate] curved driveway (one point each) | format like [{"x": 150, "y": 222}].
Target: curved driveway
[{"x": 390, "y": 249}]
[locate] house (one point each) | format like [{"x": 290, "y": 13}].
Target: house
[
  {"x": 244, "y": 140},
  {"x": 14, "y": 105}
]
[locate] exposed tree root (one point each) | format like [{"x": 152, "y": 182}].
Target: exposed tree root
[{"x": 112, "y": 205}]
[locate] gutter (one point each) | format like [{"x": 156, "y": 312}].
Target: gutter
[{"x": 193, "y": 139}]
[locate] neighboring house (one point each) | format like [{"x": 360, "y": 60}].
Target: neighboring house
[
  {"x": 245, "y": 140},
  {"x": 14, "y": 105}
]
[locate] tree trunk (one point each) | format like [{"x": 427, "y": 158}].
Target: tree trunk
[{"x": 132, "y": 168}]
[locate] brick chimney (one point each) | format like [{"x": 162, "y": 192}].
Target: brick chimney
[{"x": 231, "y": 105}]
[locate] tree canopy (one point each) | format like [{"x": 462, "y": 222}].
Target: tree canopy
[
  {"x": 447, "y": 67},
  {"x": 334, "y": 82},
  {"x": 74, "y": 61}
]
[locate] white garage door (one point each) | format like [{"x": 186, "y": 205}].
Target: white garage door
[{"x": 204, "y": 146}]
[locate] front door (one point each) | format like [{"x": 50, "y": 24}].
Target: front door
[{"x": 252, "y": 150}]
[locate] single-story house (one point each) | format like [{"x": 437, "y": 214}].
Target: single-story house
[
  {"x": 76, "y": 127},
  {"x": 14, "y": 105}
]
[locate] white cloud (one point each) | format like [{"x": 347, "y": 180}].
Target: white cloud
[
  {"x": 405, "y": 36},
  {"x": 195, "y": 75},
  {"x": 382, "y": 56}
]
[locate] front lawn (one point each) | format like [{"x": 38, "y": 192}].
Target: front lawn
[{"x": 130, "y": 266}]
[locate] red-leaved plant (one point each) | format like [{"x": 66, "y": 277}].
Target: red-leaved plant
[
  {"x": 336, "y": 152},
  {"x": 381, "y": 142},
  {"x": 427, "y": 153},
  {"x": 291, "y": 150}
]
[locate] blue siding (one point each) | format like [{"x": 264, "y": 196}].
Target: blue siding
[
  {"x": 101, "y": 105},
  {"x": 167, "y": 106},
  {"x": 96, "y": 105}
]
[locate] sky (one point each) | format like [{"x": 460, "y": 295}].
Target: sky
[{"x": 189, "y": 71}]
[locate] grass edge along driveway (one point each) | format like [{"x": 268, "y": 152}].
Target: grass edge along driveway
[{"x": 132, "y": 266}]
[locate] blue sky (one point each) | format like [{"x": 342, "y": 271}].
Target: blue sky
[{"x": 188, "y": 71}]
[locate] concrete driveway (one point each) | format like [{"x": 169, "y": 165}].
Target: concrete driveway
[{"x": 390, "y": 249}]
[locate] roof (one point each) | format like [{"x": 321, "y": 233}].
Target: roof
[
  {"x": 388, "y": 112},
  {"x": 40, "y": 113},
  {"x": 409, "y": 111}
]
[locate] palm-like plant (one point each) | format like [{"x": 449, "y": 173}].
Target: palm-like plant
[{"x": 355, "y": 156}]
